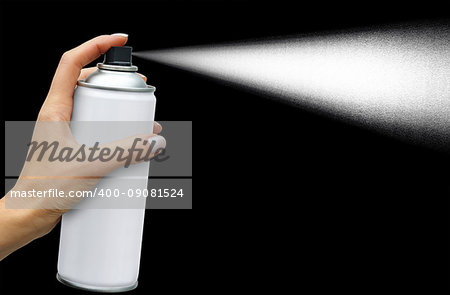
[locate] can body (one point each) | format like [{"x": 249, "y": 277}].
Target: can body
[{"x": 100, "y": 248}]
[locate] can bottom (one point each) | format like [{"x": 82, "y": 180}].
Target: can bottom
[{"x": 96, "y": 288}]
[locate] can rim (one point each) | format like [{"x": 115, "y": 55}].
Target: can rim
[
  {"x": 96, "y": 288},
  {"x": 131, "y": 68},
  {"x": 149, "y": 88}
]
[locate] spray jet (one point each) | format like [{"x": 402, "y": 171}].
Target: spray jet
[{"x": 395, "y": 81}]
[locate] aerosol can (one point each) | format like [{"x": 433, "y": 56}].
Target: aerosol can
[{"x": 100, "y": 248}]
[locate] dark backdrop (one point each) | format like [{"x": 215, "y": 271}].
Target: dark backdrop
[{"x": 284, "y": 199}]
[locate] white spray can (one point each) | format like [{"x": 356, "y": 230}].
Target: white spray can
[{"x": 100, "y": 248}]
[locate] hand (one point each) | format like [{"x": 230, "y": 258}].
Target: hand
[{"x": 20, "y": 226}]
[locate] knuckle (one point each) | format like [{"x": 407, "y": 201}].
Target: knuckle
[{"x": 66, "y": 58}]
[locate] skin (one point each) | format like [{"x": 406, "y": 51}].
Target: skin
[{"x": 19, "y": 227}]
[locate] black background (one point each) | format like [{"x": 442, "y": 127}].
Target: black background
[{"x": 284, "y": 199}]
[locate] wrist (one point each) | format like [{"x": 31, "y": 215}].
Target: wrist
[{"x": 21, "y": 226}]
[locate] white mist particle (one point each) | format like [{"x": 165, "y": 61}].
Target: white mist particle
[{"x": 395, "y": 81}]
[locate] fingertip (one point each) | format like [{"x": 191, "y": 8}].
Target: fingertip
[
  {"x": 157, "y": 128},
  {"x": 86, "y": 72},
  {"x": 158, "y": 141},
  {"x": 119, "y": 39},
  {"x": 143, "y": 77}
]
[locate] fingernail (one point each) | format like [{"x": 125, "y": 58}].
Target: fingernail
[
  {"x": 120, "y": 35},
  {"x": 159, "y": 142}
]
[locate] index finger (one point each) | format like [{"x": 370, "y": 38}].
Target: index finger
[{"x": 72, "y": 61}]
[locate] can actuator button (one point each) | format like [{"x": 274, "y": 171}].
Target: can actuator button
[{"x": 119, "y": 56}]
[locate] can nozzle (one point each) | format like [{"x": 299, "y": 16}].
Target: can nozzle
[{"x": 118, "y": 56}]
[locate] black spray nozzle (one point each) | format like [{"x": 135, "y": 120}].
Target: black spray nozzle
[{"x": 118, "y": 56}]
